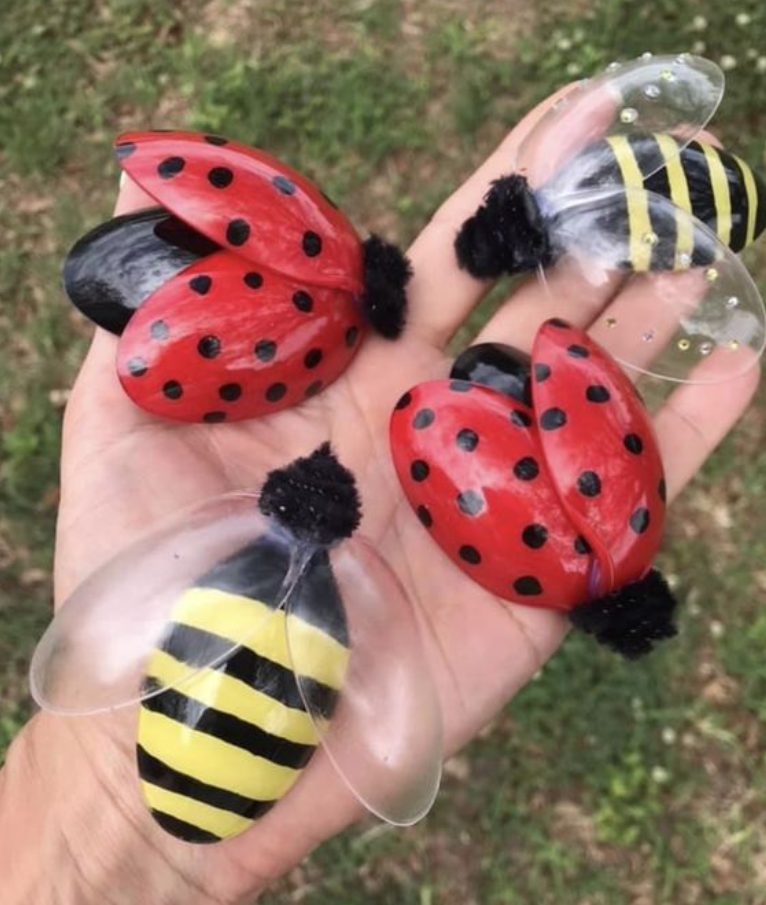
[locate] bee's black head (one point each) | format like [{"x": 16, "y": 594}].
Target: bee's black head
[
  {"x": 506, "y": 234},
  {"x": 314, "y": 497}
]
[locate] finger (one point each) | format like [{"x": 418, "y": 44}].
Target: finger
[
  {"x": 440, "y": 293},
  {"x": 566, "y": 293},
  {"x": 695, "y": 419}
]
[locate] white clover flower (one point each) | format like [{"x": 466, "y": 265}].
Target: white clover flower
[
  {"x": 573, "y": 69},
  {"x": 699, "y": 47},
  {"x": 669, "y": 735},
  {"x": 699, "y": 23},
  {"x": 564, "y": 44},
  {"x": 717, "y": 628},
  {"x": 660, "y": 775},
  {"x": 751, "y": 53},
  {"x": 727, "y": 61},
  {"x": 760, "y": 64},
  {"x": 743, "y": 19}
]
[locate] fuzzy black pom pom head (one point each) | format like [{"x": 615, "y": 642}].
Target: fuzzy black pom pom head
[
  {"x": 314, "y": 497},
  {"x": 630, "y": 620},
  {"x": 506, "y": 234},
  {"x": 386, "y": 274}
]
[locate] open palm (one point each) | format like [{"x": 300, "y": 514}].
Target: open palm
[{"x": 124, "y": 470}]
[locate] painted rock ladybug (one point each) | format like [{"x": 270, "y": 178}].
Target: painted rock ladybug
[
  {"x": 541, "y": 479},
  {"x": 244, "y": 292}
]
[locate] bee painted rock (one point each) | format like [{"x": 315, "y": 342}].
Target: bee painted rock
[
  {"x": 542, "y": 481},
  {"x": 613, "y": 184},
  {"x": 248, "y": 633},
  {"x": 245, "y": 291}
]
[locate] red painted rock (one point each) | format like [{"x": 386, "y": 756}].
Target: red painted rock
[
  {"x": 552, "y": 504},
  {"x": 245, "y": 292}
]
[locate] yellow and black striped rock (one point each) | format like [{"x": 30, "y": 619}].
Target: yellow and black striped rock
[
  {"x": 716, "y": 187},
  {"x": 216, "y": 751}
]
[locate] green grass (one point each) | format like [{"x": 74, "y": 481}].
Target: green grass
[{"x": 603, "y": 783}]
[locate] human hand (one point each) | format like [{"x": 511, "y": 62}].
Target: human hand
[{"x": 122, "y": 471}]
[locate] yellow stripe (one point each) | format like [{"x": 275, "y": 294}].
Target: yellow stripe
[
  {"x": 262, "y": 630},
  {"x": 203, "y": 816},
  {"x": 679, "y": 194},
  {"x": 212, "y": 760},
  {"x": 215, "y": 689},
  {"x": 752, "y": 199},
  {"x": 639, "y": 222},
  {"x": 720, "y": 186}
]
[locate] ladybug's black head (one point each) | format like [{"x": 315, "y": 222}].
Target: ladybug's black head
[
  {"x": 497, "y": 366},
  {"x": 506, "y": 234}
]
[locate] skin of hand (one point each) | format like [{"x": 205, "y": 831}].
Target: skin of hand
[{"x": 72, "y": 826}]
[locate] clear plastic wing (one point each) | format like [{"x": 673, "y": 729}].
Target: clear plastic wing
[
  {"x": 364, "y": 678},
  {"x": 688, "y": 310},
  {"x": 663, "y": 94},
  {"x": 156, "y": 596}
]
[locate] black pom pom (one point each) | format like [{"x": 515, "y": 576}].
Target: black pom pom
[
  {"x": 506, "y": 234},
  {"x": 386, "y": 274},
  {"x": 632, "y": 619},
  {"x": 314, "y": 497}
]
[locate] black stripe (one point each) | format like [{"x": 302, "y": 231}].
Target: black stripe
[
  {"x": 740, "y": 206},
  {"x": 697, "y": 172},
  {"x": 760, "y": 211},
  {"x": 153, "y": 770},
  {"x": 185, "y": 643},
  {"x": 230, "y": 729},
  {"x": 651, "y": 162},
  {"x": 183, "y": 830}
]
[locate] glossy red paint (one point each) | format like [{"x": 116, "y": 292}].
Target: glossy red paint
[
  {"x": 259, "y": 325},
  {"x": 550, "y": 505}
]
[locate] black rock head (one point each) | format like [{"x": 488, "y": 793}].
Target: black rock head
[
  {"x": 506, "y": 234},
  {"x": 114, "y": 268},
  {"x": 497, "y": 366},
  {"x": 314, "y": 497}
]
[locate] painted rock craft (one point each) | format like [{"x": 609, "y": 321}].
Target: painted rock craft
[
  {"x": 239, "y": 638},
  {"x": 542, "y": 481},
  {"x": 245, "y": 292},
  {"x": 615, "y": 184}
]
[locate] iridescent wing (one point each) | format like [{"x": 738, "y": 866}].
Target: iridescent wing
[
  {"x": 185, "y": 597},
  {"x": 688, "y": 310},
  {"x": 363, "y": 675},
  {"x": 677, "y": 95}
]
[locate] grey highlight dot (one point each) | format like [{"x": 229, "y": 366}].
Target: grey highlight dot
[
  {"x": 470, "y": 502},
  {"x": 424, "y": 418},
  {"x": 639, "y": 520}
]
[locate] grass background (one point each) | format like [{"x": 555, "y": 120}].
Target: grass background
[{"x": 603, "y": 783}]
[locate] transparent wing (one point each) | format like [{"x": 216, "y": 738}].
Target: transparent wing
[
  {"x": 363, "y": 676},
  {"x": 180, "y": 599},
  {"x": 688, "y": 310},
  {"x": 664, "y": 94}
]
